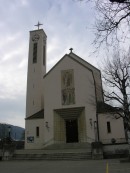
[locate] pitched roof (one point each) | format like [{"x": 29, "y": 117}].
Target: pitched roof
[
  {"x": 38, "y": 115},
  {"x": 78, "y": 60},
  {"x": 105, "y": 108}
]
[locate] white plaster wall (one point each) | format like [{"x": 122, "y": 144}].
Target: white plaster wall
[
  {"x": 117, "y": 128},
  {"x": 31, "y": 131},
  {"x": 84, "y": 93},
  {"x": 96, "y": 74}
]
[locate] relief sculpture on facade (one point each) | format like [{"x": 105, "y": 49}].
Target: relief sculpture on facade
[{"x": 67, "y": 85}]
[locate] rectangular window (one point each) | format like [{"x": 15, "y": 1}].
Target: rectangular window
[
  {"x": 44, "y": 55},
  {"x": 34, "y": 52},
  {"x": 108, "y": 127},
  {"x": 37, "y": 131}
]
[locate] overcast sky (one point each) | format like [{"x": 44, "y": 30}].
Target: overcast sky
[{"x": 67, "y": 24}]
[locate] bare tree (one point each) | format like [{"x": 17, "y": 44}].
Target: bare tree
[
  {"x": 116, "y": 76},
  {"x": 112, "y": 22}
]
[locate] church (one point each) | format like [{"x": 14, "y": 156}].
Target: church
[{"x": 66, "y": 104}]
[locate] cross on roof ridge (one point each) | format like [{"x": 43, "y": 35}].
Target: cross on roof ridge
[{"x": 71, "y": 49}]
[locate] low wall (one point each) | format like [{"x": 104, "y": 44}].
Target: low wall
[{"x": 116, "y": 150}]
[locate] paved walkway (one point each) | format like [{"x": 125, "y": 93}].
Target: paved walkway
[{"x": 88, "y": 166}]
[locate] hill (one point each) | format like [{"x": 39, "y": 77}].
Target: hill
[{"x": 16, "y": 133}]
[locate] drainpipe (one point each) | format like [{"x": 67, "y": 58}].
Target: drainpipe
[{"x": 96, "y": 107}]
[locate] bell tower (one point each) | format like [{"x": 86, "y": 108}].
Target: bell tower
[{"x": 36, "y": 71}]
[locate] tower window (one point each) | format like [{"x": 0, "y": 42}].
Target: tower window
[
  {"x": 44, "y": 55},
  {"x": 108, "y": 127},
  {"x": 34, "y": 52},
  {"x": 37, "y": 131}
]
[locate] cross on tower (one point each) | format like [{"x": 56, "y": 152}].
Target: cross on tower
[{"x": 38, "y": 24}]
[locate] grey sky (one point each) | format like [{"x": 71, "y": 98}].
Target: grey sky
[{"x": 66, "y": 24}]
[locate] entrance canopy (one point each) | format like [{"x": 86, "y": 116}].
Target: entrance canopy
[{"x": 70, "y": 113}]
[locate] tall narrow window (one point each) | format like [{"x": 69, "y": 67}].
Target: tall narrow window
[
  {"x": 108, "y": 127},
  {"x": 34, "y": 52},
  {"x": 44, "y": 55},
  {"x": 37, "y": 131}
]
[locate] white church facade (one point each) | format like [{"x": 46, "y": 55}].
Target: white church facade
[{"x": 66, "y": 105}]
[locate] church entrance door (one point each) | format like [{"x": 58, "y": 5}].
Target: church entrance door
[{"x": 71, "y": 131}]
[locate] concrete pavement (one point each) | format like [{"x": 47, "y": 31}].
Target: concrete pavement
[{"x": 88, "y": 166}]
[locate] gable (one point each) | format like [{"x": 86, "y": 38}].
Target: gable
[
  {"x": 69, "y": 83},
  {"x": 74, "y": 59},
  {"x": 80, "y": 62}
]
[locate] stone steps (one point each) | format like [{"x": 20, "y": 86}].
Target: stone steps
[
  {"x": 54, "y": 156},
  {"x": 69, "y": 146},
  {"x": 69, "y": 151}
]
